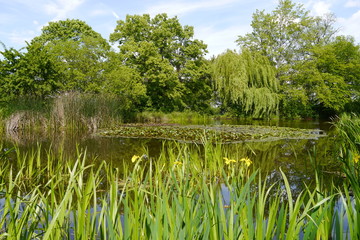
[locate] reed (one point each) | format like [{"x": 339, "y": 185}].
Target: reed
[
  {"x": 177, "y": 196},
  {"x": 65, "y": 112},
  {"x": 348, "y": 128}
]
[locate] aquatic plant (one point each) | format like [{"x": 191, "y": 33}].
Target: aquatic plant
[
  {"x": 177, "y": 196},
  {"x": 213, "y": 133}
]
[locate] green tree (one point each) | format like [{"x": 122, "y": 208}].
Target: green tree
[
  {"x": 79, "y": 53},
  {"x": 168, "y": 59},
  {"x": 38, "y": 73},
  {"x": 246, "y": 83},
  {"x": 31, "y": 73},
  {"x": 9, "y": 84},
  {"x": 287, "y": 36},
  {"x": 331, "y": 78},
  {"x": 123, "y": 82},
  {"x": 69, "y": 29}
]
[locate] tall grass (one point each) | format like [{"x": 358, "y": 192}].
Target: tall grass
[
  {"x": 68, "y": 111},
  {"x": 177, "y": 196},
  {"x": 86, "y": 111},
  {"x": 348, "y": 129}
]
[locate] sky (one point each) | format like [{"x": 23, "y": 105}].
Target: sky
[{"x": 217, "y": 22}]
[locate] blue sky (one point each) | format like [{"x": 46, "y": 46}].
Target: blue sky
[{"x": 216, "y": 22}]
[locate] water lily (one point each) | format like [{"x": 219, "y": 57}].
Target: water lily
[
  {"x": 135, "y": 158},
  {"x": 228, "y": 161},
  {"x": 246, "y": 160}
]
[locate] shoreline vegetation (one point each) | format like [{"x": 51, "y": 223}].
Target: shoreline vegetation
[
  {"x": 289, "y": 69},
  {"x": 177, "y": 195},
  {"x": 89, "y": 113}
]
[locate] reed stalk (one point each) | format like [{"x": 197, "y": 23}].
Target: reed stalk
[{"x": 177, "y": 196}]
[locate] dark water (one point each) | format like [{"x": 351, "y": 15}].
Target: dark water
[{"x": 296, "y": 158}]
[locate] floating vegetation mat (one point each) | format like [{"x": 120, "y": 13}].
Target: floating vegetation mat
[{"x": 215, "y": 133}]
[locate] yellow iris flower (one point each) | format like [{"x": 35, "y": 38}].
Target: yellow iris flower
[
  {"x": 228, "y": 161},
  {"x": 135, "y": 158},
  {"x": 246, "y": 160}
]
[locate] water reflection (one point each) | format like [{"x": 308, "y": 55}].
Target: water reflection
[{"x": 295, "y": 157}]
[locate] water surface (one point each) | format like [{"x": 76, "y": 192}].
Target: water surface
[{"x": 296, "y": 158}]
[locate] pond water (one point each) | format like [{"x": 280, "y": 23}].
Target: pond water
[{"x": 295, "y": 157}]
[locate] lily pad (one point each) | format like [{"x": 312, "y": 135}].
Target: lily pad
[{"x": 215, "y": 133}]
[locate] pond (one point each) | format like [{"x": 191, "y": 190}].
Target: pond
[
  {"x": 295, "y": 157},
  {"x": 185, "y": 189}
]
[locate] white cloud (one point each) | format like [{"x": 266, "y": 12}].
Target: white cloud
[
  {"x": 353, "y": 3},
  {"x": 20, "y": 38},
  {"x": 115, "y": 15},
  {"x": 183, "y": 7},
  {"x": 61, "y": 8},
  {"x": 351, "y": 25},
  {"x": 99, "y": 12},
  {"x": 320, "y": 8},
  {"x": 219, "y": 41}
]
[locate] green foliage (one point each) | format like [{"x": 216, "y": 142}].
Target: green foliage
[
  {"x": 11, "y": 63},
  {"x": 80, "y": 66},
  {"x": 289, "y": 36},
  {"x": 170, "y": 63},
  {"x": 246, "y": 82},
  {"x": 32, "y": 73},
  {"x": 69, "y": 29},
  {"x": 39, "y": 72},
  {"x": 178, "y": 196},
  {"x": 78, "y": 52},
  {"x": 161, "y": 67},
  {"x": 286, "y": 34},
  {"x": 123, "y": 82},
  {"x": 348, "y": 128},
  {"x": 277, "y": 35},
  {"x": 329, "y": 80}
]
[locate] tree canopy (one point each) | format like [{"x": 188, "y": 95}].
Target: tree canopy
[
  {"x": 302, "y": 48},
  {"x": 167, "y": 58},
  {"x": 80, "y": 53},
  {"x": 69, "y": 29},
  {"x": 291, "y": 64},
  {"x": 331, "y": 78},
  {"x": 287, "y": 34},
  {"x": 246, "y": 82}
]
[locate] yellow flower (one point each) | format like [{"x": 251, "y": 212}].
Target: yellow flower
[
  {"x": 228, "y": 161},
  {"x": 247, "y": 161},
  {"x": 356, "y": 158},
  {"x": 135, "y": 158},
  {"x": 178, "y": 163}
]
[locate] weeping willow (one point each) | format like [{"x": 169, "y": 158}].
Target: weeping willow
[{"x": 246, "y": 81}]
